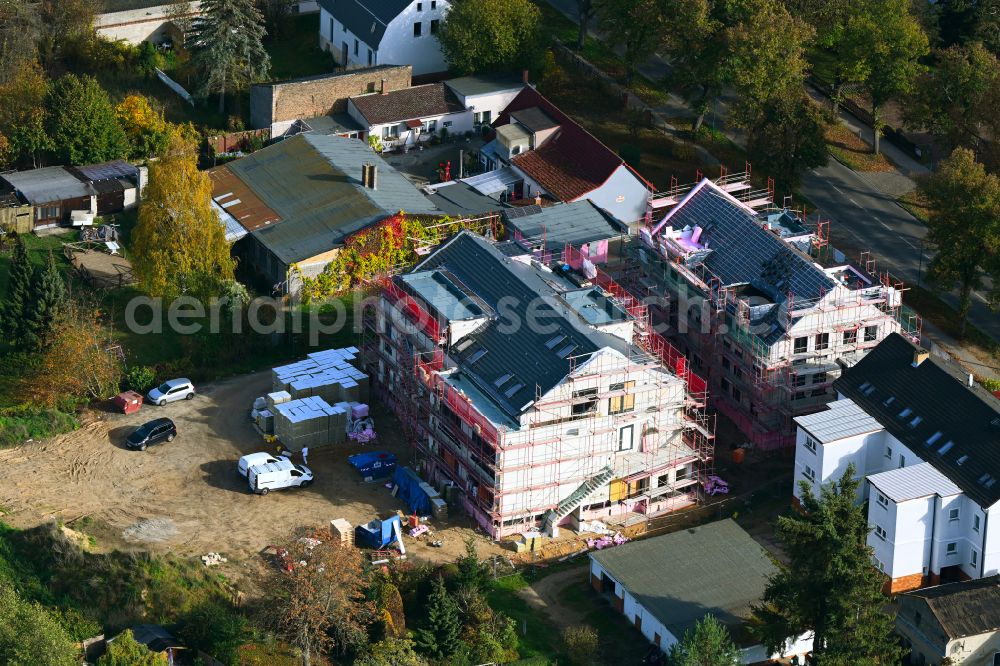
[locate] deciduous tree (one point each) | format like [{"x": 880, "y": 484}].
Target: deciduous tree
[
  {"x": 585, "y": 11},
  {"x": 216, "y": 629},
  {"x": 227, "y": 46},
  {"x": 787, "y": 137},
  {"x": 16, "y": 304},
  {"x": 19, "y": 33},
  {"x": 440, "y": 635},
  {"x": 484, "y": 36},
  {"x": 148, "y": 133},
  {"x": 707, "y": 644},
  {"x": 23, "y": 114},
  {"x": 390, "y": 652},
  {"x": 82, "y": 122},
  {"x": 958, "y": 97},
  {"x": 124, "y": 650},
  {"x": 964, "y": 228},
  {"x": 696, "y": 43},
  {"x": 67, "y": 26},
  {"x": 179, "y": 243},
  {"x": 829, "y": 585},
  {"x": 637, "y": 26},
  {"x": 30, "y": 635},
  {"x": 320, "y": 605}
]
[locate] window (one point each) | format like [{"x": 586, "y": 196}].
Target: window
[
  {"x": 447, "y": 123},
  {"x": 420, "y": 6},
  {"x": 888, "y": 452},
  {"x": 682, "y": 474},
  {"x": 882, "y": 500},
  {"x": 809, "y": 473},
  {"x": 417, "y": 28},
  {"x": 975, "y": 523},
  {"x": 799, "y": 380},
  {"x": 902, "y": 460},
  {"x": 429, "y": 126},
  {"x": 619, "y": 404},
  {"x": 974, "y": 558},
  {"x": 726, "y": 365},
  {"x": 822, "y": 341},
  {"x": 850, "y": 337},
  {"x": 953, "y": 515},
  {"x": 435, "y": 24},
  {"x": 585, "y": 401},
  {"x": 951, "y": 548},
  {"x": 434, "y": 4},
  {"x": 818, "y": 393},
  {"x": 798, "y": 396},
  {"x": 878, "y": 563},
  {"x": 935, "y": 437},
  {"x": 737, "y": 395},
  {"x": 880, "y": 532},
  {"x": 726, "y": 385},
  {"x": 810, "y": 444},
  {"x": 625, "y": 439},
  {"x": 871, "y": 333},
  {"x": 357, "y": 45},
  {"x": 47, "y": 212},
  {"x": 801, "y": 345},
  {"x": 819, "y": 378},
  {"x": 332, "y": 25},
  {"x": 390, "y": 132}
]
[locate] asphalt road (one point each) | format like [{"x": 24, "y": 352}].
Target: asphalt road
[{"x": 861, "y": 216}]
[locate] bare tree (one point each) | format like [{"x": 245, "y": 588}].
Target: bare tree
[{"x": 320, "y": 598}]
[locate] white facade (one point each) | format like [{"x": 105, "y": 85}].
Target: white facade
[
  {"x": 400, "y": 44},
  {"x": 486, "y": 106},
  {"x": 921, "y": 523},
  {"x": 399, "y": 133}
]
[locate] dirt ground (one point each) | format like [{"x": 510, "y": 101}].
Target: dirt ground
[{"x": 186, "y": 496}]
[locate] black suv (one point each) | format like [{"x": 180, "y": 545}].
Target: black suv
[{"x": 155, "y": 431}]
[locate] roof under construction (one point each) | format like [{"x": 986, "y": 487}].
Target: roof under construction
[{"x": 303, "y": 196}]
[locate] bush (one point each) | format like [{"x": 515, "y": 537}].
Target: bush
[
  {"x": 19, "y": 424},
  {"x": 991, "y": 385},
  {"x": 140, "y": 378},
  {"x": 581, "y": 644},
  {"x": 683, "y": 152}
]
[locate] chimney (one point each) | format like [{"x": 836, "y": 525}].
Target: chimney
[
  {"x": 373, "y": 176},
  {"x": 364, "y": 174},
  {"x": 524, "y": 77},
  {"x": 919, "y": 356},
  {"x": 382, "y": 88},
  {"x": 538, "y": 199}
]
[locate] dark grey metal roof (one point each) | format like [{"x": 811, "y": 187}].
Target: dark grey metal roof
[
  {"x": 969, "y": 608},
  {"x": 744, "y": 253},
  {"x": 933, "y": 412},
  {"x": 336, "y": 123},
  {"x": 313, "y": 183},
  {"x": 574, "y": 223},
  {"x": 535, "y": 356},
  {"x": 681, "y": 577},
  {"x": 48, "y": 184},
  {"x": 460, "y": 199},
  {"x": 367, "y": 19},
  {"x": 108, "y": 170},
  {"x": 534, "y": 119}
]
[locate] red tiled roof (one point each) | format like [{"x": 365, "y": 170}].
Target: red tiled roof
[
  {"x": 433, "y": 99},
  {"x": 569, "y": 165}
]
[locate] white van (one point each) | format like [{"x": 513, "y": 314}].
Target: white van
[
  {"x": 281, "y": 474},
  {"x": 254, "y": 459}
]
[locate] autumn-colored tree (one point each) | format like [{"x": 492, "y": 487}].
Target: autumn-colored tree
[
  {"x": 964, "y": 228},
  {"x": 148, "y": 133},
  {"x": 320, "y": 605},
  {"x": 23, "y": 113},
  {"x": 78, "y": 364},
  {"x": 179, "y": 243}
]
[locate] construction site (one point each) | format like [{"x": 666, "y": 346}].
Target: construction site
[
  {"x": 591, "y": 416},
  {"x": 759, "y": 301}
]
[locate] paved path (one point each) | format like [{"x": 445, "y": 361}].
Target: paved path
[{"x": 860, "y": 206}]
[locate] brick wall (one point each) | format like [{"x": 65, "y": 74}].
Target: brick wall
[
  {"x": 906, "y": 583},
  {"x": 320, "y": 95}
]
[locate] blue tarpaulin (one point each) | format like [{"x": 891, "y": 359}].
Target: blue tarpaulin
[
  {"x": 374, "y": 464},
  {"x": 410, "y": 491}
]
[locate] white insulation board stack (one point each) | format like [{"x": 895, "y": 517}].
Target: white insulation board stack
[
  {"x": 332, "y": 375},
  {"x": 310, "y": 422}
]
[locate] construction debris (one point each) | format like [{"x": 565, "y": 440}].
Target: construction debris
[
  {"x": 607, "y": 541},
  {"x": 213, "y": 559}
]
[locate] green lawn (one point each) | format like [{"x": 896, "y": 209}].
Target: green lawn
[
  {"x": 38, "y": 248},
  {"x": 540, "y": 642}
]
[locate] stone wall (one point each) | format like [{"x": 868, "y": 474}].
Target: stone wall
[{"x": 284, "y": 101}]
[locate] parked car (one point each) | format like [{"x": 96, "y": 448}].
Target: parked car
[
  {"x": 170, "y": 391},
  {"x": 262, "y": 479},
  {"x": 157, "y": 430},
  {"x": 255, "y": 459}
]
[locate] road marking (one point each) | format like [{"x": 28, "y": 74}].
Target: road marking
[
  {"x": 836, "y": 188},
  {"x": 855, "y": 203}
]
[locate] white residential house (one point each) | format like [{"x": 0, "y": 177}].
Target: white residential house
[
  {"x": 409, "y": 116},
  {"x": 485, "y": 96},
  {"x": 362, "y": 33},
  {"x": 927, "y": 441}
]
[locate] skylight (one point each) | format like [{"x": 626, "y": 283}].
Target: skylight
[
  {"x": 554, "y": 341},
  {"x": 987, "y": 480},
  {"x": 464, "y": 344},
  {"x": 933, "y": 438},
  {"x": 947, "y": 447},
  {"x": 513, "y": 389},
  {"x": 864, "y": 386},
  {"x": 888, "y": 401},
  {"x": 869, "y": 390},
  {"x": 916, "y": 421},
  {"x": 566, "y": 351},
  {"x": 961, "y": 460},
  {"x": 502, "y": 379},
  {"x": 476, "y": 355},
  {"x": 906, "y": 412}
]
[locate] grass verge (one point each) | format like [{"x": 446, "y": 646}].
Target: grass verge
[{"x": 853, "y": 152}]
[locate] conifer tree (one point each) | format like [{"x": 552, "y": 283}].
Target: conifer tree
[
  {"x": 829, "y": 586},
  {"x": 227, "y": 46},
  {"x": 18, "y": 293},
  {"x": 48, "y": 299},
  {"x": 707, "y": 644},
  {"x": 440, "y": 637}
]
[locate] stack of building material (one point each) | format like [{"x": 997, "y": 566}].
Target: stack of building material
[
  {"x": 342, "y": 532},
  {"x": 310, "y": 422},
  {"x": 331, "y": 374},
  {"x": 276, "y": 398},
  {"x": 265, "y": 421}
]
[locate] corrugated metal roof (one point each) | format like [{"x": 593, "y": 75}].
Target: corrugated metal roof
[
  {"x": 303, "y": 196},
  {"x": 907, "y": 483},
  {"x": 574, "y": 223},
  {"x": 470, "y": 86},
  {"x": 841, "y": 418},
  {"x": 48, "y": 184},
  {"x": 107, "y": 170},
  {"x": 460, "y": 199},
  {"x": 681, "y": 577}
]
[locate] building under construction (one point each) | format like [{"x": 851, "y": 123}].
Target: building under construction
[
  {"x": 534, "y": 385},
  {"x": 759, "y": 302}
]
